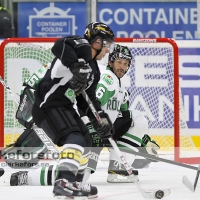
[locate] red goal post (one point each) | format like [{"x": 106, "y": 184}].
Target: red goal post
[{"x": 155, "y": 62}]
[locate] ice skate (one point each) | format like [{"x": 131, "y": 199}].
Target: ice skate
[
  {"x": 91, "y": 190},
  {"x": 118, "y": 174},
  {"x": 63, "y": 189},
  {"x": 19, "y": 178}
]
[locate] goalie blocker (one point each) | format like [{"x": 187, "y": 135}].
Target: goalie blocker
[{"x": 24, "y": 111}]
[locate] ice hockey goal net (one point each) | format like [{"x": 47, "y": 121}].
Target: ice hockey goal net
[{"x": 154, "y": 89}]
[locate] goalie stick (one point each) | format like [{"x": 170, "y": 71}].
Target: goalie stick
[
  {"x": 187, "y": 182},
  {"x": 158, "y": 194},
  {"x": 40, "y": 132}
]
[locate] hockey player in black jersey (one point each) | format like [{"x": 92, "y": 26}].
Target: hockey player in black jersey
[{"x": 73, "y": 70}]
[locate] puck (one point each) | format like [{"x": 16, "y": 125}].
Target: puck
[
  {"x": 1, "y": 172},
  {"x": 159, "y": 194}
]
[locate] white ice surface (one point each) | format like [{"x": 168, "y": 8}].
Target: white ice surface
[{"x": 157, "y": 176}]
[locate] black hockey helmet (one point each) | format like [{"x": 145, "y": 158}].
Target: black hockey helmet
[
  {"x": 98, "y": 29},
  {"x": 120, "y": 52}
]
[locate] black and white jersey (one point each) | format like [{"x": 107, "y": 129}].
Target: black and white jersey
[{"x": 54, "y": 88}]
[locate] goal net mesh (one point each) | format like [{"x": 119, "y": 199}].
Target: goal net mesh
[
  {"x": 151, "y": 88},
  {"x": 20, "y": 61},
  {"x": 152, "y": 92}
]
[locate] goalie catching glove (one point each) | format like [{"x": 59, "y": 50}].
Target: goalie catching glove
[
  {"x": 104, "y": 130},
  {"x": 81, "y": 72}
]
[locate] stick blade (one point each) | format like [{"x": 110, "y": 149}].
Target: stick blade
[
  {"x": 156, "y": 194},
  {"x": 188, "y": 184}
]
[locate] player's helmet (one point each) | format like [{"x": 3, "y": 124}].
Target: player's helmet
[
  {"x": 120, "y": 52},
  {"x": 98, "y": 29}
]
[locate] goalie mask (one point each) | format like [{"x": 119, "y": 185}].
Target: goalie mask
[
  {"x": 100, "y": 30},
  {"x": 120, "y": 52}
]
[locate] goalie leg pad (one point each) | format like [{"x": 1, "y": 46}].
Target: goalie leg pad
[{"x": 25, "y": 152}]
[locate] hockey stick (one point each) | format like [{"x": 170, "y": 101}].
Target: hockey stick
[
  {"x": 149, "y": 156},
  {"x": 187, "y": 182},
  {"x": 8, "y": 89},
  {"x": 40, "y": 132},
  {"x": 158, "y": 194}
]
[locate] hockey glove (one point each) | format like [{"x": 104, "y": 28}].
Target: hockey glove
[
  {"x": 145, "y": 140},
  {"x": 149, "y": 146},
  {"x": 105, "y": 130},
  {"x": 81, "y": 72},
  {"x": 152, "y": 147},
  {"x": 96, "y": 140}
]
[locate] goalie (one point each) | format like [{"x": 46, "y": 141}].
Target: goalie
[{"x": 130, "y": 127}]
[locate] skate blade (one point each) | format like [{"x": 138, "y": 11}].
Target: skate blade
[
  {"x": 75, "y": 198},
  {"x": 81, "y": 198},
  {"x": 116, "y": 178},
  {"x": 62, "y": 197}
]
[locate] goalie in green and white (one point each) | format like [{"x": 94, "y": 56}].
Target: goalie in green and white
[{"x": 131, "y": 127}]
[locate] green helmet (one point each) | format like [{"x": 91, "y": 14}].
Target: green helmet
[
  {"x": 121, "y": 52},
  {"x": 98, "y": 29}
]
